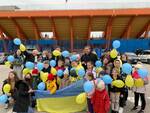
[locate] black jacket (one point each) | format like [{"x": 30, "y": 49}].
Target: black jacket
[
  {"x": 21, "y": 97},
  {"x": 114, "y": 88},
  {"x": 29, "y": 57},
  {"x": 89, "y": 57},
  {"x": 48, "y": 70}
]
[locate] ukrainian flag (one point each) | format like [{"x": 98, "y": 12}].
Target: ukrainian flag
[{"x": 63, "y": 101}]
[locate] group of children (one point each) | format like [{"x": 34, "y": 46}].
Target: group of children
[{"x": 98, "y": 100}]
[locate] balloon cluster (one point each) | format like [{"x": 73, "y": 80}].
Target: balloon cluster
[
  {"x": 10, "y": 58},
  {"x": 17, "y": 42},
  {"x": 6, "y": 90},
  {"x": 113, "y": 53}
]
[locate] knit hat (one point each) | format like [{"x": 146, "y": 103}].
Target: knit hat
[
  {"x": 101, "y": 85},
  {"x": 35, "y": 72},
  {"x": 50, "y": 76}
]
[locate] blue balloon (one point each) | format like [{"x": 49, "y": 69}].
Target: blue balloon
[
  {"x": 40, "y": 66},
  {"x": 127, "y": 68},
  {"x": 29, "y": 65},
  {"x": 98, "y": 63},
  {"x": 17, "y": 41},
  {"x": 107, "y": 79},
  {"x": 81, "y": 72},
  {"x": 116, "y": 44},
  {"x": 65, "y": 53},
  {"x": 41, "y": 86},
  {"x": 52, "y": 63},
  {"x": 10, "y": 58},
  {"x": 143, "y": 73},
  {"x": 59, "y": 72},
  {"x": 3, "y": 99},
  {"x": 73, "y": 58},
  {"x": 88, "y": 86}
]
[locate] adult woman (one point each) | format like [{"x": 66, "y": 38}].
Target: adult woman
[
  {"x": 22, "y": 97},
  {"x": 11, "y": 80},
  {"x": 18, "y": 63}
]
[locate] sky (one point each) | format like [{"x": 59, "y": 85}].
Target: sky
[{"x": 75, "y": 4}]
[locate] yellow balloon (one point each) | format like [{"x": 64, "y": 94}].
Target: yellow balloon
[
  {"x": 78, "y": 68},
  {"x": 53, "y": 71},
  {"x": 129, "y": 81},
  {"x": 6, "y": 88},
  {"x": 44, "y": 76},
  {"x": 139, "y": 82},
  {"x": 8, "y": 64},
  {"x": 56, "y": 53},
  {"x": 118, "y": 83},
  {"x": 99, "y": 69},
  {"x": 81, "y": 98},
  {"x": 113, "y": 53},
  {"x": 22, "y": 47},
  {"x": 26, "y": 70}
]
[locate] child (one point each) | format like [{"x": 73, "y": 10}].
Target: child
[
  {"x": 117, "y": 65},
  {"x": 35, "y": 78},
  {"x": 51, "y": 84},
  {"x": 115, "y": 92},
  {"x": 18, "y": 63},
  {"x": 139, "y": 91},
  {"x": 60, "y": 65},
  {"x": 100, "y": 99},
  {"x": 90, "y": 77},
  {"x": 12, "y": 79},
  {"x": 65, "y": 81},
  {"x": 90, "y": 68},
  {"x": 47, "y": 67},
  {"x": 73, "y": 76}
]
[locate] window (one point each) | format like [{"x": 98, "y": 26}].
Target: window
[
  {"x": 47, "y": 35},
  {"x": 96, "y": 34}
]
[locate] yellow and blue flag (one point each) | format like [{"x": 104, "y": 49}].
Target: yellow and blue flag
[{"x": 63, "y": 101}]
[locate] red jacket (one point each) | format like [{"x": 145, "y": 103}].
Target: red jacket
[{"x": 101, "y": 101}]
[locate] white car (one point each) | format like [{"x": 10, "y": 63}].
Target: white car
[
  {"x": 145, "y": 56},
  {"x": 132, "y": 57}
]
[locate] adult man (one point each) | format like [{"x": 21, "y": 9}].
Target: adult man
[
  {"x": 31, "y": 57},
  {"x": 88, "y": 56}
]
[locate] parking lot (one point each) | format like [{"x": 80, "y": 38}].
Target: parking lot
[{"x": 4, "y": 73}]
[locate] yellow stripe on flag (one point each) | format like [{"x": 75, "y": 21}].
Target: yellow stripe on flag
[{"x": 60, "y": 105}]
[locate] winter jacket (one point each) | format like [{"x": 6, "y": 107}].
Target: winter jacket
[
  {"x": 21, "y": 97},
  {"x": 30, "y": 57},
  {"x": 48, "y": 70},
  {"x": 101, "y": 101},
  {"x": 51, "y": 86},
  {"x": 114, "y": 88},
  {"x": 141, "y": 89},
  {"x": 89, "y": 57}
]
